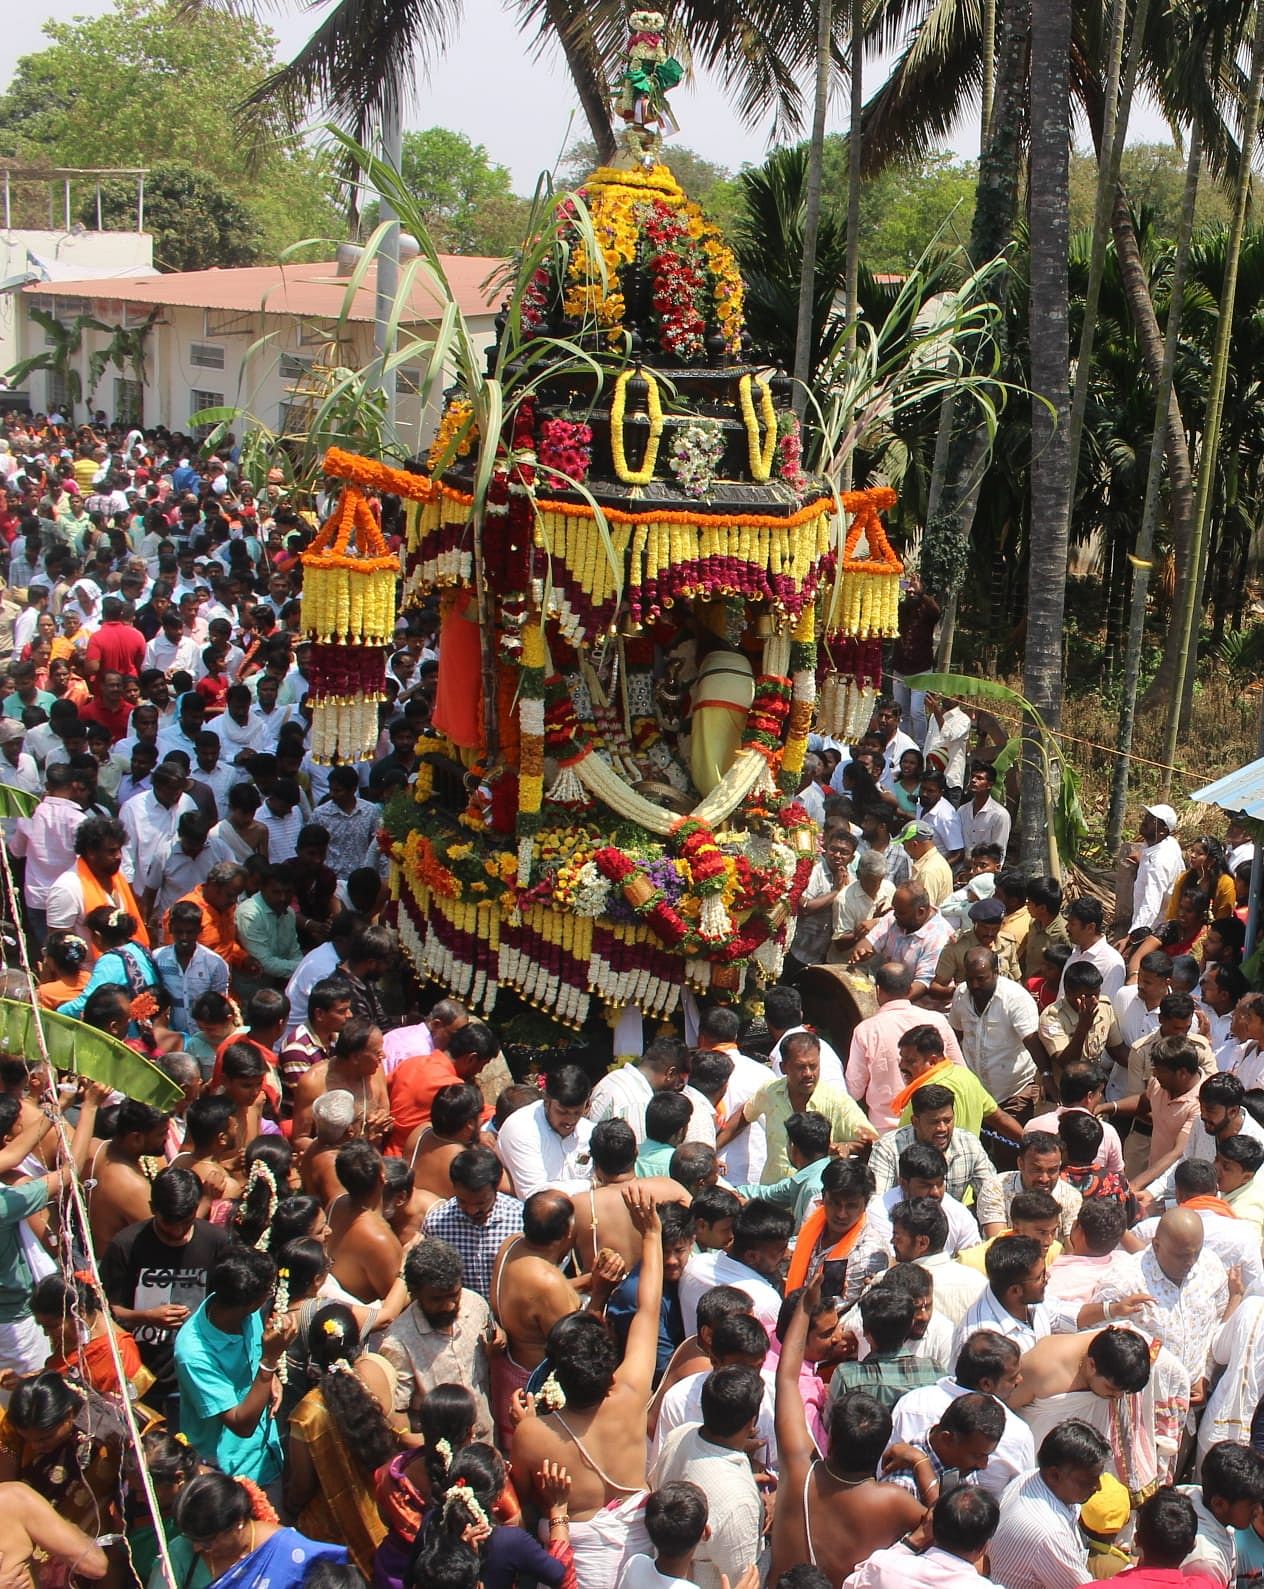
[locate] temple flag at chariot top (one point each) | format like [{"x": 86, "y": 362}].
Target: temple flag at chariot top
[{"x": 664, "y": 603}]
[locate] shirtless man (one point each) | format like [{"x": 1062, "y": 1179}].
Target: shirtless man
[
  {"x": 455, "y": 1117},
  {"x": 405, "y": 1204},
  {"x": 529, "y": 1291},
  {"x": 242, "y": 1072},
  {"x": 1085, "y": 1376},
  {"x": 333, "y": 1121},
  {"x": 601, "y": 1215},
  {"x": 367, "y": 1252},
  {"x": 357, "y": 1067},
  {"x": 600, "y": 1436},
  {"x": 837, "y": 1513},
  {"x": 119, "y": 1187},
  {"x": 213, "y": 1150}
]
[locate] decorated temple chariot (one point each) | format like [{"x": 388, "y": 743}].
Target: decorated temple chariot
[{"x": 647, "y": 605}]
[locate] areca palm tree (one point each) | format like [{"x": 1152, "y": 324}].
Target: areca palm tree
[{"x": 1188, "y": 63}]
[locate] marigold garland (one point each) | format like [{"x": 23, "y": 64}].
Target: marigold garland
[
  {"x": 654, "y": 410},
  {"x": 760, "y": 452}
]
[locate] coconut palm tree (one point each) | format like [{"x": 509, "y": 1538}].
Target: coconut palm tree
[{"x": 1048, "y": 335}]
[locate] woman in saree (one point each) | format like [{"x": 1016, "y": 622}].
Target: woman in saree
[
  {"x": 67, "y": 1442},
  {"x": 239, "y": 1542},
  {"x": 340, "y": 1434},
  {"x": 54, "y": 1306}
]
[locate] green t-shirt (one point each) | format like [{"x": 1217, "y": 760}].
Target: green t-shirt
[
  {"x": 16, "y": 1204},
  {"x": 972, "y": 1102}
]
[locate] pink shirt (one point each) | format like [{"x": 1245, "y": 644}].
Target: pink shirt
[
  {"x": 1173, "y": 1120},
  {"x": 47, "y": 839},
  {"x": 403, "y": 1043},
  {"x": 1112, "y": 1155},
  {"x": 1074, "y": 1278},
  {"x": 873, "y": 1063}
]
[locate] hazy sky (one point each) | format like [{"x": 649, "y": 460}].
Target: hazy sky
[{"x": 488, "y": 88}]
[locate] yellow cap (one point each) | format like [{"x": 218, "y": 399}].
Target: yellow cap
[{"x": 1108, "y": 1510}]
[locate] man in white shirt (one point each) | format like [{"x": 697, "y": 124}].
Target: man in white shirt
[
  {"x": 1084, "y": 921},
  {"x": 1221, "y": 1115},
  {"x": 1229, "y": 1498},
  {"x": 1038, "y": 1544},
  {"x": 713, "y": 1455},
  {"x": 151, "y": 818},
  {"x": 783, "y": 1016},
  {"x": 1220, "y": 991},
  {"x": 989, "y": 1363},
  {"x": 1238, "y": 841},
  {"x": 1013, "y": 1302},
  {"x": 921, "y": 1172},
  {"x": 947, "y": 736},
  {"x": 1159, "y": 864},
  {"x": 546, "y": 1144},
  {"x": 962, "y": 1523},
  {"x": 737, "y": 1339},
  {"x": 1235, "y": 1242},
  {"x": 47, "y": 839},
  {"x": 998, "y": 1024},
  {"x": 919, "y": 1234},
  {"x": 171, "y": 650},
  {"x": 761, "y": 1234},
  {"x": 895, "y": 741},
  {"x": 623, "y": 1093},
  {"x": 940, "y": 814},
  {"x": 983, "y": 819},
  {"x": 717, "y": 1034}
]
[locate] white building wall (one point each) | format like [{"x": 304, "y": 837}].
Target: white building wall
[
  {"x": 198, "y": 358},
  {"x": 76, "y": 254}
]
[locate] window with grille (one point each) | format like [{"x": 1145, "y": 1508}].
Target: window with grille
[
  {"x": 200, "y": 400},
  {"x": 293, "y": 368},
  {"x": 206, "y": 356}
]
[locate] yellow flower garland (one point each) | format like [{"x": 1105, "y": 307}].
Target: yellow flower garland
[
  {"x": 654, "y": 408},
  {"x": 760, "y": 457}
]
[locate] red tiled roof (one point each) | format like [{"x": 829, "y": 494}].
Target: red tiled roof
[{"x": 311, "y": 291}]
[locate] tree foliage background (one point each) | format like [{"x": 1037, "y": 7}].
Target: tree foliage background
[{"x": 148, "y": 85}]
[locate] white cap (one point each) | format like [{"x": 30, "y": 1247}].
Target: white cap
[{"x": 1165, "y": 815}]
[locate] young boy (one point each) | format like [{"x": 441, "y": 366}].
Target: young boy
[
  {"x": 667, "y": 1117},
  {"x": 1044, "y": 986},
  {"x": 714, "y": 1209},
  {"x": 676, "y": 1521},
  {"x": 1081, "y": 1136}
]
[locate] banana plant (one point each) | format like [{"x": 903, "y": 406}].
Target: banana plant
[
  {"x": 1063, "y": 816},
  {"x": 84, "y": 1051}
]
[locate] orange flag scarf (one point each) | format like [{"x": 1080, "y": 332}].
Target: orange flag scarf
[
  {"x": 902, "y": 1100},
  {"x": 809, "y": 1240},
  {"x": 1210, "y": 1205},
  {"x": 122, "y": 898}
]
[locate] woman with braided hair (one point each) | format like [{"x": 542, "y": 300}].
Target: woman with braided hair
[
  {"x": 269, "y": 1164},
  {"x": 340, "y": 1434},
  {"x": 509, "y": 1555}
]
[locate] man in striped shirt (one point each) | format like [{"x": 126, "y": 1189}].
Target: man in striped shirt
[{"x": 1037, "y": 1544}]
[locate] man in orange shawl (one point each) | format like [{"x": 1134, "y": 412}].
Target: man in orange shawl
[
  {"x": 829, "y": 1235},
  {"x": 95, "y": 879}
]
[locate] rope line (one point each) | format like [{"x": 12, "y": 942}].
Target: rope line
[{"x": 75, "y": 1191}]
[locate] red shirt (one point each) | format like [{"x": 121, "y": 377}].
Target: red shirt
[
  {"x": 1155, "y": 1578},
  {"x": 214, "y": 692},
  {"x": 118, "y": 648},
  {"x": 116, "y": 721},
  {"x": 412, "y": 1090}
]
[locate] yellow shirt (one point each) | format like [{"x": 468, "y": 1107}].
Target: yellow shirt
[
  {"x": 935, "y": 876},
  {"x": 976, "y": 1256},
  {"x": 771, "y": 1104}
]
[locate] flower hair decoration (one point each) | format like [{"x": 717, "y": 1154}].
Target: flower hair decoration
[
  {"x": 551, "y": 1396},
  {"x": 259, "y": 1171},
  {"x": 281, "y": 1306},
  {"x": 461, "y": 1495},
  {"x": 443, "y": 1448}
]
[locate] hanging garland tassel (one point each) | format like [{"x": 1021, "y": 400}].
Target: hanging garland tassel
[
  {"x": 760, "y": 453},
  {"x": 348, "y": 612},
  {"x": 654, "y": 412}
]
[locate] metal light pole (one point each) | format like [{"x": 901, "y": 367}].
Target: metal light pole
[{"x": 387, "y": 265}]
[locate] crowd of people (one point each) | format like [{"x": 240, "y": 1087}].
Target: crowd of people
[{"x": 977, "y": 1299}]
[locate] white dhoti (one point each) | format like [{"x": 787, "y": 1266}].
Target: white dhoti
[
  {"x": 1239, "y": 1345},
  {"x": 602, "y": 1545}
]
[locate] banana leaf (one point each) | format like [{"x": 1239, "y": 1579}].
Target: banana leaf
[
  {"x": 16, "y": 802},
  {"x": 84, "y": 1051}
]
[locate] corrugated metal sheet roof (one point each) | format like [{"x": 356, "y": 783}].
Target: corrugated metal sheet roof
[
  {"x": 312, "y": 290},
  {"x": 1237, "y": 791}
]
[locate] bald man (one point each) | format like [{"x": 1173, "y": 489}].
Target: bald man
[
  {"x": 1191, "y": 1293},
  {"x": 529, "y": 1293}
]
